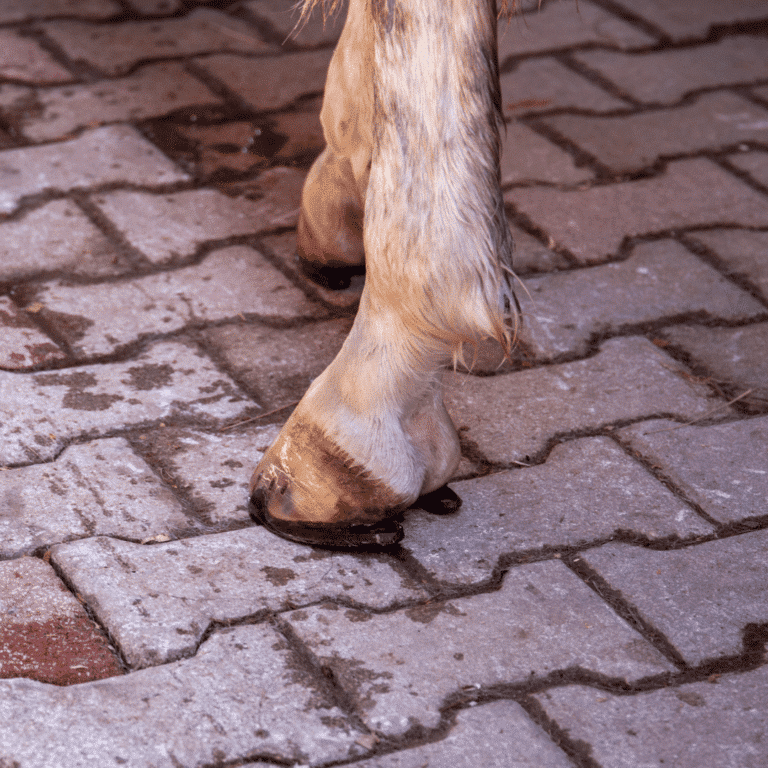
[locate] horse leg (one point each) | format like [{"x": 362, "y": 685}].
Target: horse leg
[{"x": 371, "y": 434}]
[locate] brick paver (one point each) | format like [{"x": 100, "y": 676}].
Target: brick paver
[
  {"x": 722, "y": 468},
  {"x": 590, "y": 487},
  {"x": 666, "y": 727},
  {"x": 628, "y": 379},
  {"x": 114, "y": 49},
  {"x": 593, "y": 223},
  {"x": 597, "y": 601},
  {"x": 103, "y": 156},
  {"x": 639, "y": 140},
  {"x": 568, "y": 309}
]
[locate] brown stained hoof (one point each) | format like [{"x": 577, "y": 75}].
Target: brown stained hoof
[
  {"x": 332, "y": 277},
  {"x": 443, "y": 501},
  {"x": 363, "y": 537}
]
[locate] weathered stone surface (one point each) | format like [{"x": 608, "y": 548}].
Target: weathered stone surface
[
  {"x": 101, "y": 156},
  {"x": 45, "y": 633},
  {"x": 245, "y": 693},
  {"x": 702, "y": 616},
  {"x": 173, "y": 226},
  {"x": 99, "y": 488},
  {"x": 561, "y": 25},
  {"x": 736, "y": 357},
  {"x": 498, "y": 735},
  {"x": 284, "y": 19},
  {"x": 24, "y": 344},
  {"x": 660, "y": 279},
  {"x": 586, "y": 491},
  {"x": 400, "y": 667},
  {"x": 683, "y": 20},
  {"x": 541, "y": 84},
  {"x": 228, "y": 283},
  {"x": 268, "y": 83},
  {"x": 41, "y": 413},
  {"x": 742, "y": 251},
  {"x": 25, "y": 10},
  {"x": 23, "y": 59},
  {"x": 56, "y": 236},
  {"x": 115, "y": 48},
  {"x": 531, "y": 256},
  {"x": 211, "y": 468},
  {"x": 723, "y": 468},
  {"x": 157, "y": 601},
  {"x": 755, "y": 163},
  {"x": 664, "y": 77},
  {"x": 513, "y": 416},
  {"x": 279, "y": 364},
  {"x": 720, "y": 723},
  {"x": 593, "y": 223},
  {"x": 631, "y": 142},
  {"x": 155, "y": 7},
  {"x": 526, "y": 156},
  {"x": 154, "y": 90}
]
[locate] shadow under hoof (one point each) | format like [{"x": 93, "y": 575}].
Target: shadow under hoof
[{"x": 333, "y": 277}]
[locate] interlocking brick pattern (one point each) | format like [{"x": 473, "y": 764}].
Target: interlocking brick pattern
[{"x": 598, "y": 602}]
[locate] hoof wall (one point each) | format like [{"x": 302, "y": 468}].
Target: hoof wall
[{"x": 374, "y": 537}]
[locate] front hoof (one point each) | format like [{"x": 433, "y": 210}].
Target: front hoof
[{"x": 363, "y": 537}]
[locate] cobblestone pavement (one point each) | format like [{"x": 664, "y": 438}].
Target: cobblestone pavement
[{"x": 601, "y": 599}]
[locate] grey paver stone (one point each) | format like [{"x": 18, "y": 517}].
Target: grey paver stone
[
  {"x": 243, "y": 694},
  {"x": 284, "y": 18},
  {"x": 723, "y": 468},
  {"x": 755, "y": 163},
  {"x": 45, "y": 633},
  {"x": 660, "y": 279},
  {"x": 157, "y": 601},
  {"x": 56, "y": 236},
  {"x": 628, "y": 379},
  {"x": 23, "y": 59},
  {"x": 687, "y": 726},
  {"x": 593, "y": 223},
  {"x": 742, "y": 251},
  {"x": 527, "y": 156},
  {"x": 155, "y": 7},
  {"x": 172, "y": 226},
  {"x": 736, "y": 357},
  {"x": 23, "y": 343},
  {"x": 153, "y": 90},
  {"x": 683, "y": 20},
  {"x": 562, "y": 25},
  {"x": 664, "y": 77},
  {"x": 271, "y": 82},
  {"x": 41, "y": 412},
  {"x": 213, "y": 468},
  {"x": 26, "y": 10},
  {"x": 99, "y": 488},
  {"x": 540, "y": 84},
  {"x": 631, "y": 142},
  {"x": 587, "y": 490},
  {"x": 102, "y": 156},
  {"x": 400, "y": 667},
  {"x": 227, "y": 283},
  {"x": 279, "y": 363},
  {"x": 531, "y": 256},
  {"x": 700, "y": 597},
  {"x": 115, "y": 48},
  {"x": 498, "y": 735}
]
